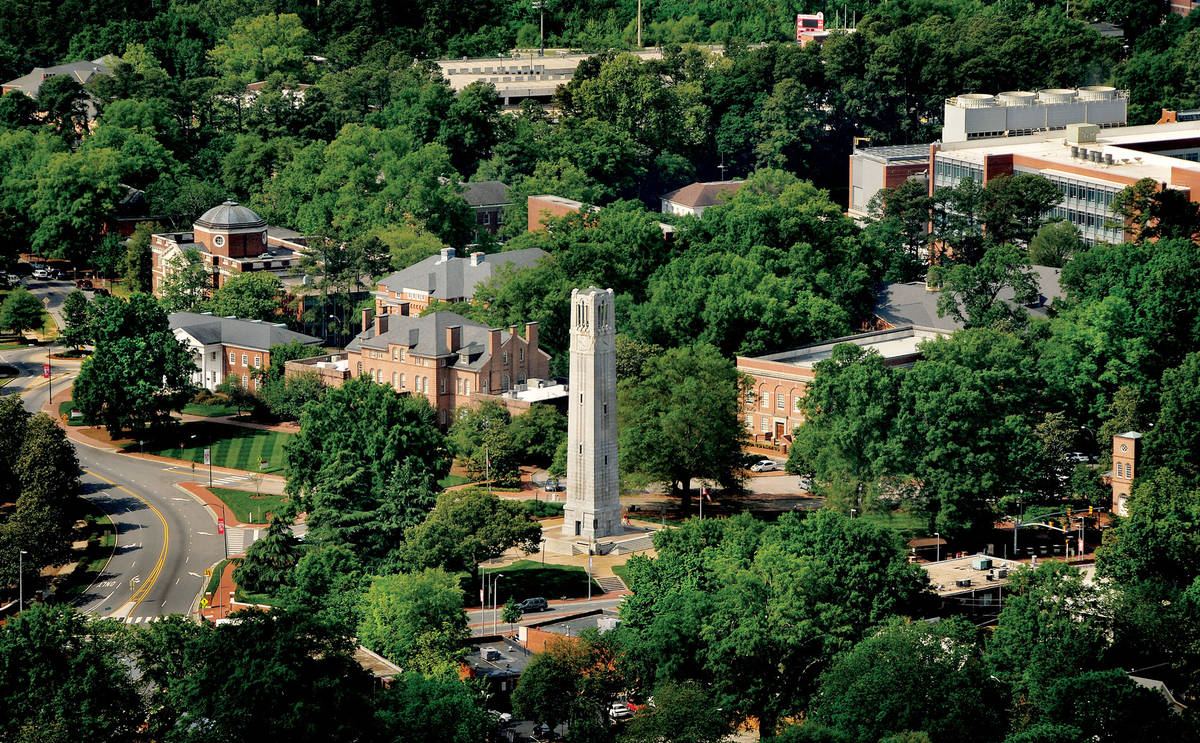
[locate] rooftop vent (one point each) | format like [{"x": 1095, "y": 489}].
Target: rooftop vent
[
  {"x": 1097, "y": 93},
  {"x": 1082, "y": 133},
  {"x": 1056, "y": 95},
  {"x": 975, "y": 100}
]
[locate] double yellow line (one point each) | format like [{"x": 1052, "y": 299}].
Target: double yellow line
[{"x": 143, "y": 590}]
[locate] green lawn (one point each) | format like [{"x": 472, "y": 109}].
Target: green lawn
[
  {"x": 909, "y": 525},
  {"x": 101, "y": 536},
  {"x": 450, "y": 481},
  {"x": 249, "y": 507},
  {"x": 210, "y": 410},
  {"x": 527, "y": 578},
  {"x": 622, "y": 572},
  {"x": 214, "y": 580},
  {"x": 234, "y": 447}
]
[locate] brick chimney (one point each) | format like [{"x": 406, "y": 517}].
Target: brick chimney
[
  {"x": 381, "y": 324},
  {"x": 493, "y": 342},
  {"x": 476, "y": 258},
  {"x": 453, "y": 338},
  {"x": 366, "y": 317},
  {"x": 531, "y": 335}
]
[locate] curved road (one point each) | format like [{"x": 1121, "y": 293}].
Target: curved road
[{"x": 165, "y": 538}]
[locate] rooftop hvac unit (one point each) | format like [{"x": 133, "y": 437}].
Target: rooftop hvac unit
[
  {"x": 975, "y": 100},
  {"x": 1002, "y": 573},
  {"x": 1056, "y": 95},
  {"x": 1016, "y": 98},
  {"x": 1082, "y": 133},
  {"x": 1082, "y": 152},
  {"x": 1097, "y": 93},
  {"x": 982, "y": 563},
  {"x": 1108, "y": 158},
  {"x": 963, "y": 582}
]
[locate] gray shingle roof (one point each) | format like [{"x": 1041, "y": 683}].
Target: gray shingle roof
[
  {"x": 456, "y": 278},
  {"x": 80, "y": 71},
  {"x": 232, "y": 331},
  {"x": 913, "y": 304},
  {"x": 701, "y": 194},
  {"x": 230, "y": 216},
  {"x": 486, "y": 193},
  {"x": 426, "y": 336}
]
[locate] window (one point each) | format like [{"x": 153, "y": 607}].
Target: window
[
  {"x": 258, "y": 360},
  {"x": 232, "y": 357},
  {"x": 442, "y": 386},
  {"x": 458, "y": 386},
  {"x": 401, "y": 381},
  {"x": 360, "y": 368},
  {"x": 379, "y": 376},
  {"x": 780, "y": 401},
  {"x": 402, "y": 354},
  {"x": 765, "y": 422},
  {"x": 244, "y": 359},
  {"x": 394, "y": 354},
  {"x": 796, "y": 403},
  {"x": 245, "y": 380},
  {"x": 1120, "y": 469},
  {"x": 257, "y": 383},
  {"x": 506, "y": 358},
  {"x": 213, "y": 355},
  {"x": 766, "y": 399},
  {"x": 750, "y": 422},
  {"x": 750, "y": 398},
  {"x": 483, "y": 386},
  {"x": 395, "y": 381},
  {"x": 605, "y": 408},
  {"x": 521, "y": 354},
  {"x": 443, "y": 413}
]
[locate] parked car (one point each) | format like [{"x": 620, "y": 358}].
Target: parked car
[
  {"x": 534, "y": 604},
  {"x": 619, "y": 711},
  {"x": 554, "y": 486},
  {"x": 41, "y": 273},
  {"x": 764, "y": 465},
  {"x": 83, "y": 283},
  {"x": 1077, "y": 457}
]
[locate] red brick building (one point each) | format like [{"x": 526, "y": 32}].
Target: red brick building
[
  {"x": 224, "y": 347},
  {"x": 445, "y": 277}
]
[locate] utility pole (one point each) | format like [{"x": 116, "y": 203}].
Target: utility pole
[
  {"x": 21, "y": 581},
  {"x": 540, "y": 7},
  {"x": 639, "y": 25}
]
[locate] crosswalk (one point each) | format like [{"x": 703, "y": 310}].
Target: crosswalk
[
  {"x": 239, "y": 539},
  {"x": 140, "y": 620}
]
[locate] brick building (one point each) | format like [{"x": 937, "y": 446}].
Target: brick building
[
  {"x": 489, "y": 202},
  {"x": 231, "y": 239},
  {"x": 1126, "y": 449},
  {"x": 445, "y": 277},
  {"x": 449, "y": 359},
  {"x": 875, "y": 168},
  {"x": 694, "y": 198},
  {"x": 772, "y": 406},
  {"x": 227, "y": 346}
]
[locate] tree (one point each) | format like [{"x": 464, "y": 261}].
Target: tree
[
  {"x": 299, "y": 664},
  {"x": 75, "y": 193},
  {"x": 21, "y": 311},
  {"x": 1175, "y": 440},
  {"x": 512, "y": 612},
  {"x": 1017, "y": 205},
  {"x": 136, "y": 269},
  {"x": 900, "y": 217},
  {"x": 250, "y": 296},
  {"x": 262, "y": 45},
  {"x": 911, "y": 676},
  {"x": 971, "y": 294},
  {"x": 416, "y": 620},
  {"x": 682, "y": 713},
  {"x": 572, "y": 680},
  {"x": 1152, "y": 214},
  {"x": 416, "y": 708},
  {"x": 1155, "y": 544},
  {"x": 243, "y": 398},
  {"x": 65, "y": 679},
  {"x": 480, "y": 438},
  {"x": 1054, "y": 244},
  {"x": 270, "y": 560},
  {"x": 138, "y": 372},
  {"x": 681, "y": 422},
  {"x": 466, "y": 527},
  {"x": 77, "y": 332},
  {"x": 365, "y": 466},
  {"x": 537, "y": 433},
  {"x": 186, "y": 282},
  {"x": 65, "y": 104}
]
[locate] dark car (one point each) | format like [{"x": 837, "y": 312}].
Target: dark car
[
  {"x": 102, "y": 292},
  {"x": 83, "y": 284},
  {"x": 554, "y": 486},
  {"x": 535, "y": 604}
]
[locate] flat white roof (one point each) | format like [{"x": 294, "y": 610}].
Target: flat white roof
[
  {"x": 890, "y": 344},
  {"x": 1119, "y": 142}
]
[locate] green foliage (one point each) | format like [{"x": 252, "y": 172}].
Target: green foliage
[
  {"x": 65, "y": 680},
  {"x": 365, "y": 466},
  {"x": 537, "y": 433},
  {"x": 573, "y": 681},
  {"x": 250, "y": 296},
  {"x": 682, "y": 713},
  {"x": 21, "y": 311},
  {"x": 911, "y": 676},
  {"x": 415, "y": 620},
  {"x": 137, "y": 265},
  {"x": 1054, "y": 244},
  {"x": 971, "y": 293},
  {"x": 270, "y": 560},
  {"x": 262, "y": 45},
  {"x": 681, "y": 422},
  {"x": 139, "y": 372},
  {"x": 187, "y": 283},
  {"x": 419, "y": 708},
  {"x": 1156, "y": 543},
  {"x": 480, "y": 438},
  {"x": 1174, "y": 441},
  {"x": 466, "y": 527}
]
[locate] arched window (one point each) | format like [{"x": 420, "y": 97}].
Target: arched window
[{"x": 505, "y": 382}]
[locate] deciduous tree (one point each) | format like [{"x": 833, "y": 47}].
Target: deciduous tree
[{"x": 416, "y": 620}]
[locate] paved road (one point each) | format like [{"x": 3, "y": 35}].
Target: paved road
[
  {"x": 480, "y": 620},
  {"x": 165, "y": 538}
]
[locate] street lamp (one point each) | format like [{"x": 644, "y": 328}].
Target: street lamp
[
  {"x": 495, "y": 587},
  {"x": 938, "y": 544},
  {"x": 21, "y": 581},
  {"x": 853, "y": 511}
]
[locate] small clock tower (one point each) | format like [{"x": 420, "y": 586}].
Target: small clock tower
[{"x": 1126, "y": 451}]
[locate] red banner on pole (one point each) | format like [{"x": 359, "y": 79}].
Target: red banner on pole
[
  {"x": 45, "y": 371},
  {"x": 220, "y": 526}
]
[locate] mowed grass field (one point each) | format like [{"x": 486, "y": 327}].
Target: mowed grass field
[{"x": 235, "y": 447}]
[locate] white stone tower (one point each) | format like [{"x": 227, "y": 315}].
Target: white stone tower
[{"x": 593, "y": 507}]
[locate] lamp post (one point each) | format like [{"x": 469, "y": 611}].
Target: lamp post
[
  {"x": 938, "y": 544},
  {"x": 853, "y": 511},
  {"x": 21, "y": 581},
  {"x": 495, "y": 587}
]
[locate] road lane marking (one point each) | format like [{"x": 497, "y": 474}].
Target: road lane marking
[{"x": 146, "y": 585}]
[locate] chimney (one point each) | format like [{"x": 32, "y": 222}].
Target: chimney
[
  {"x": 366, "y": 317},
  {"x": 447, "y": 254},
  {"x": 476, "y": 258},
  {"x": 531, "y": 335},
  {"x": 493, "y": 342},
  {"x": 381, "y": 324},
  {"x": 453, "y": 338},
  {"x": 403, "y": 309},
  {"x": 512, "y": 330}
]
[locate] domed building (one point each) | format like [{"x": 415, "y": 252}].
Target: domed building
[{"x": 230, "y": 239}]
